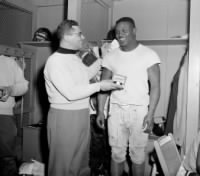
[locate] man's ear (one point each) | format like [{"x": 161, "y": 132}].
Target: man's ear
[
  {"x": 66, "y": 37},
  {"x": 134, "y": 30}
]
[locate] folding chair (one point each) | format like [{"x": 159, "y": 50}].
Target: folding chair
[{"x": 168, "y": 155}]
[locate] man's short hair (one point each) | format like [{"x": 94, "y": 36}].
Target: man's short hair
[
  {"x": 65, "y": 26},
  {"x": 126, "y": 19}
]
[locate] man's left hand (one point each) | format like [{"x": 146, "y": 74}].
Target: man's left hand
[{"x": 148, "y": 124}]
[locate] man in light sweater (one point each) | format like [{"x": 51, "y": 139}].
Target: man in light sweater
[
  {"x": 12, "y": 84},
  {"x": 68, "y": 89}
]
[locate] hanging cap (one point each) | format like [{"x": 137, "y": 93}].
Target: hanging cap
[{"x": 42, "y": 34}]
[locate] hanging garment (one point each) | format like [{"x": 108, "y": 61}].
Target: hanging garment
[
  {"x": 172, "y": 106},
  {"x": 180, "y": 118}
]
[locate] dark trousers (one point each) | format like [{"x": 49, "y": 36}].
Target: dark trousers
[{"x": 8, "y": 134}]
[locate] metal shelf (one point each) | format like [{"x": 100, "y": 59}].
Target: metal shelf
[{"x": 173, "y": 41}]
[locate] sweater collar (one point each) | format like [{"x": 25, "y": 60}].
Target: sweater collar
[{"x": 66, "y": 51}]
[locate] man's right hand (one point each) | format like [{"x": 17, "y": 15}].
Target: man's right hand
[
  {"x": 106, "y": 85},
  {"x": 5, "y": 93},
  {"x": 101, "y": 120}
]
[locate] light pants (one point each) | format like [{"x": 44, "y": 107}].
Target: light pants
[
  {"x": 125, "y": 129},
  {"x": 68, "y": 139}
]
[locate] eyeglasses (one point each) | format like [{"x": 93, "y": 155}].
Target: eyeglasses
[{"x": 80, "y": 34}]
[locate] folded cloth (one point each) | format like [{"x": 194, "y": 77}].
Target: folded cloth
[
  {"x": 89, "y": 58},
  {"x": 34, "y": 167}
]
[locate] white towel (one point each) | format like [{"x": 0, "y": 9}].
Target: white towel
[{"x": 34, "y": 167}]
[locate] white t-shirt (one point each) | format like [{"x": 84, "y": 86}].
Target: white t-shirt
[{"x": 134, "y": 65}]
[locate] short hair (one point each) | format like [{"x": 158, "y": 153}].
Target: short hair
[
  {"x": 65, "y": 26},
  {"x": 126, "y": 19}
]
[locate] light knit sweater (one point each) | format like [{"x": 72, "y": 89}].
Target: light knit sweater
[
  {"x": 67, "y": 81},
  {"x": 11, "y": 75}
]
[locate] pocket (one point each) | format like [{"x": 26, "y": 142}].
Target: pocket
[{"x": 112, "y": 130}]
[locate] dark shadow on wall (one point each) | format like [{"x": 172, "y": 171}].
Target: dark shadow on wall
[
  {"x": 44, "y": 107},
  {"x": 54, "y": 42},
  {"x": 44, "y": 147},
  {"x": 42, "y": 95}
]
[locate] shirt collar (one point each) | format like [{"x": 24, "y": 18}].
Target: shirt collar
[{"x": 66, "y": 51}]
